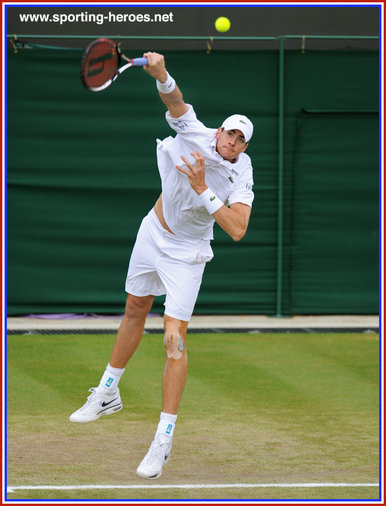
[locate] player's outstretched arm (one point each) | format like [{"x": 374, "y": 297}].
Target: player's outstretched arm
[{"x": 174, "y": 100}]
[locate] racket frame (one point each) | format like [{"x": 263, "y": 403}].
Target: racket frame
[{"x": 131, "y": 62}]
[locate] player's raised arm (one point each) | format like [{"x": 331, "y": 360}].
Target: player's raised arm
[{"x": 169, "y": 92}]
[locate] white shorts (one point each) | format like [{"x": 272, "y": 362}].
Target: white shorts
[{"x": 162, "y": 263}]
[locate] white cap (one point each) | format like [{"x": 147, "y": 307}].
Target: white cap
[{"x": 239, "y": 122}]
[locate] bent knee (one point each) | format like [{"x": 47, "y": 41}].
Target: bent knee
[
  {"x": 137, "y": 306},
  {"x": 174, "y": 344}
]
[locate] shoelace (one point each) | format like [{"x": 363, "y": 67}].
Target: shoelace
[
  {"x": 93, "y": 391},
  {"x": 158, "y": 450}
]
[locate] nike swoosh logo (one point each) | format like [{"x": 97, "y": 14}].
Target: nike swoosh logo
[{"x": 104, "y": 404}]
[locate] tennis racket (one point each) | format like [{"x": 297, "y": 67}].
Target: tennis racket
[{"x": 100, "y": 65}]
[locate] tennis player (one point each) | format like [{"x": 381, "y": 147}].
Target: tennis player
[{"x": 206, "y": 178}]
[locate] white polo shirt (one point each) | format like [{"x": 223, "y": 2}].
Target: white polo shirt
[{"x": 231, "y": 182}]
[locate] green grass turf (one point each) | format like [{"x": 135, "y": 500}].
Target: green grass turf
[{"x": 257, "y": 408}]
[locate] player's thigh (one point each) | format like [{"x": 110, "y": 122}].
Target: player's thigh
[{"x": 182, "y": 283}]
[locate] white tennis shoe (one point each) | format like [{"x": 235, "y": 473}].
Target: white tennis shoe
[
  {"x": 157, "y": 456},
  {"x": 97, "y": 404}
]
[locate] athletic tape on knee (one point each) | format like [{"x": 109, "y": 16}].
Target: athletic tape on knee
[{"x": 175, "y": 353}]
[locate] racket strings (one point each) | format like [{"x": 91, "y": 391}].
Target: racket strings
[{"x": 100, "y": 64}]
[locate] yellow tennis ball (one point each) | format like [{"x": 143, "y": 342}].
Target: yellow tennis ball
[{"x": 222, "y": 24}]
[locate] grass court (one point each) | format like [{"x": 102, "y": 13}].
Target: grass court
[{"x": 258, "y": 409}]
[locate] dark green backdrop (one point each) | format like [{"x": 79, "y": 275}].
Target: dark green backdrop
[{"x": 82, "y": 173}]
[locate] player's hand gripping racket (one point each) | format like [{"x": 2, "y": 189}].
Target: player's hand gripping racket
[{"x": 100, "y": 64}]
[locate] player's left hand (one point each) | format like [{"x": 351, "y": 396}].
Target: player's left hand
[{"x": 195, "y": 173}]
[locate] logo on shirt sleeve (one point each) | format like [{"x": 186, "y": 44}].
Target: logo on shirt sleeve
[
  {"x": 248, "y": 186},
  {"x": 181, "y": 125}
]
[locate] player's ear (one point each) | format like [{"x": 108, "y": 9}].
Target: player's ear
[{"x": 219, "y": 130}]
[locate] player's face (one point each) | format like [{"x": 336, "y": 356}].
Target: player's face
[{"x": 230, "y": 143}]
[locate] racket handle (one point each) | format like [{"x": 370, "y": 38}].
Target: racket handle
[{"x": 140, "y": 62}]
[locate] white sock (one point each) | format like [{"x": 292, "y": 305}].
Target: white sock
[
  {"x": 110, "y": 379},
  {"x": 167, "y": 424}
]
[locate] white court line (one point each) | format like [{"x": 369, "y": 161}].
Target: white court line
[{"x": 11, "y": 489}]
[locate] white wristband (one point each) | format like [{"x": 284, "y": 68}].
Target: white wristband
[
  {"x": 167, "y": 87},
  {"x": 210, "y": 201}
]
